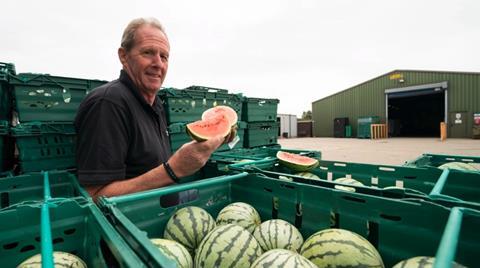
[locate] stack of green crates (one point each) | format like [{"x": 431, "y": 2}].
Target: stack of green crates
[
  {"x": 6, "y": 70},
  {"x": 45, "y": 107},
  {"x": 261, "y": 117},
  {"x": 3, "y": 151},
  {"x": 363, "y": 128},
  {"x": 183, "y": 106}
]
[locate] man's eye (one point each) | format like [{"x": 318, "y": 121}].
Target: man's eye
[{"x": 148, "y": 53}]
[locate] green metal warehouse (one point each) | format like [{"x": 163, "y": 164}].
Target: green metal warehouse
[{"x": 412, "y": 102}]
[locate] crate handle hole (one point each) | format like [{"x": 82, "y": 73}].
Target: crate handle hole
[
  {"x": 391, "y": 217},
  {"x": 268, "y": 190},
  {"x": 354, "y": 199},
  {"x": 70, "y": 231},
  {"x": 27, "y": 248},
  {"x": 10, "y": 245},
  {"x": 57, "y": 240},
  {"x": 37, "y": 238},
  {"x": 410, "y": 177}
]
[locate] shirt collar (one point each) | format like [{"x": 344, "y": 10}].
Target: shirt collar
[{"x": 126, "y": 80}]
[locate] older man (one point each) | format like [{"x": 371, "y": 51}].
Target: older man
[{"x": 122, "y": 143}]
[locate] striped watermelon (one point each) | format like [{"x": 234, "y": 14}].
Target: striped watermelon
[
  {"x": 282, "y": 258},
  {"x": 458, "y": 166},
  {"x": 241, "y": 214},
  {"x": 285, "y": 178},
  {"x": 175, "y": 251},
  {"x": 228, "y": 246},
  {"x": 308, "y": 175},
  {"x": 278, "y": 233},
  {"x": 347, "y": 181},
  {"x": 340, "y": 248},
  {"x": 60, "y": 259},
  {"x": 188, "y": 226},
  {"x": 421, "y": 262}
]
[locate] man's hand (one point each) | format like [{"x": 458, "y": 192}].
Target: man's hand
[{"x": 192, "y": 156}]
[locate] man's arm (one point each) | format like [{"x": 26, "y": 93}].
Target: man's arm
[{"x": 187, "y": 160}]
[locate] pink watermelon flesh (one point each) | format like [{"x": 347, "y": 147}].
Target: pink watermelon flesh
[
  {"x": 203, "y": 130},
  {"x": 297, "y": 162},
  {"x": 221, "y": 110}
]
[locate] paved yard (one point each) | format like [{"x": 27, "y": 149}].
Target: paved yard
[{"x": 393, "y": 151}]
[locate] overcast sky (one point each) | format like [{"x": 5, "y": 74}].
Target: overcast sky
[{"x": 296, "y": 51}]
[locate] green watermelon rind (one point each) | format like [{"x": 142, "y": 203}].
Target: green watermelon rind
[
  {"x": 174, "y": 251},
  {"x": 188, "y": 226},
  {"x": 241, "y": 214},
  {"x": 354, "y": 250},
  {"x": 60, "y": 258},
  {"x": 227, "y": 246},
  {"x": 277, "y": 233},
  {"x": 282, "y": 258}
]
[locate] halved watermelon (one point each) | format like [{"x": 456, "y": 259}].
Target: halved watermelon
[
  {"x": 297, "y": 162},
  {"x": 203, "y": 130},
  {"x": 221, "y": 110}
]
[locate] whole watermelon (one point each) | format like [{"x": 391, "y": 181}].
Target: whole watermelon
[
  {"x": 340, "y": 248},
  {"x": 188, "y": 226},
  {"x": 228, "y": 246}
]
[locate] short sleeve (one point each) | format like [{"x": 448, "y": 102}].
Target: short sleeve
[{"x": 102, "y": 143}]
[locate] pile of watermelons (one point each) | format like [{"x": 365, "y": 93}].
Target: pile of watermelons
[{"x": 238, "y": 238}]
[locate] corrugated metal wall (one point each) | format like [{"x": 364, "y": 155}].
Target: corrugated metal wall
[{"x": 368, "y": 98}]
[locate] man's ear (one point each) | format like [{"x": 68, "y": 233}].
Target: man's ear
[{"x": 122, "y": 55}]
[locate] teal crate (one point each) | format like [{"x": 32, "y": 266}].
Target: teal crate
[
  {"x": 448, "y": 187},
  {"x": 363, "y": 128},
  {"x": 42, "y": 97},
  {"x": 77, "y": 227},
  {"x": 436, "y": 160},
  {"x": 45, "y": 146},
  {"x": 178, "y": 136},
  {"x": 261, "y": 134},
  {"x": 399, "y": 229},
  {"x": 187, "y": 105},
  {"x": 260, "y": 110},
  {"x": 15, "y": 190}
]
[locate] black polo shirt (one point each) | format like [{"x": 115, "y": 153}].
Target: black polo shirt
[{"x": 119, "y": 135}]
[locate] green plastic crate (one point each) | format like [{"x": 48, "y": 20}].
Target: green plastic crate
[
  {"x": 399, "y": 229},
  {"x": 260, "y": 110},
  {"x": 187, "y": 105},
  {"x": 77, "y": 227},
  {"x": 178, "y": 136},
  {"x": 45, "y": 146},
  {"x": 363, "y": 129},
  {"x": 435, "y": 160},
  {"x": 42, "y": 97},
  {"x": 30, "y": 187},
  {"x": 450, "y": 188},
  {"x": 261, "y": 134}
]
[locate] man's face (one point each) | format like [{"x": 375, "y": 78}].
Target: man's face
[{"x": 147, "y": 62}]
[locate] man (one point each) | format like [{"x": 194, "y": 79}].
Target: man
[{"x": 122, "y": 142}]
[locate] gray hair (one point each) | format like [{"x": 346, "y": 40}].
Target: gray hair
[{"x": 128, "y": 37}]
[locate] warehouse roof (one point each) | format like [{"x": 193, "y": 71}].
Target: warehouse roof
[{"x": 396, "y": 71}]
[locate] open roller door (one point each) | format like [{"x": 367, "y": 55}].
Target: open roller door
[{"x": 416, "y": 111}]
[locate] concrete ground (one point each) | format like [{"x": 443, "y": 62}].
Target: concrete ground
[{"x": 392, "y": 151}]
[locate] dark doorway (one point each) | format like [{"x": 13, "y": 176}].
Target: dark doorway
[{"x": 416, "y": 114}]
